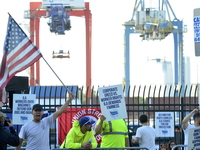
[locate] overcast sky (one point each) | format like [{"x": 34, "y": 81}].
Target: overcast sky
[{"x": 107, "y": 44}]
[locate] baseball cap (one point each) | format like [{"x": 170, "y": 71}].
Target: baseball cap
[
  {"x": 86, "y": 121},
  {"x": 37, "y": 106}
]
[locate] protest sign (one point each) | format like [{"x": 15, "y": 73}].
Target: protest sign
[
  {"x": 112, "y": 102},
  {"x": 66, "y": 119},
  {"x": 196, "y": 23},
  {"x": 22, "y": 108},
  {"x": 164, "y": 124},
  {"x": 194, "y": 138}
]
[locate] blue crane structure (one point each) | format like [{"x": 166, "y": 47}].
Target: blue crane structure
[
  {"x": 152, "y": 24},
  {"x": 58, "y": 18}
]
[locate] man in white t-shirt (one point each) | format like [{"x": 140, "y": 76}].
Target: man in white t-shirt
[
  {"x": 186, "y": 126},
  {"x": 36, "y": 132},
  {"x": 145, "y": 135}
]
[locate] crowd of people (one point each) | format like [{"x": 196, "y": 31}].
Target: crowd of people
[{"x": 114, "y": 133}]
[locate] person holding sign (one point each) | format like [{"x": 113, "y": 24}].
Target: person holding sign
[
  {"x": 186, "y": 126},
  {"x": 145, "y": 135},
  {"x": 36, "y": 132},
  {"x": 7, "y": 137},
  {"x": 114, "y": 133},
  {"x": 80, "y": 135}
]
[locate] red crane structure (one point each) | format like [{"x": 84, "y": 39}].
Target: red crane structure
[{"x": 35, "y": 14}]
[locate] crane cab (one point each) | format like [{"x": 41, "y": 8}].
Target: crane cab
[
  {"x": 58, "y": 13},
  {"x": 152, "y": 24}
]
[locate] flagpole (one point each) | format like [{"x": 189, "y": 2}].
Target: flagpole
[
  {"x": 10, "y": 46},
  {"x": 44, "y": 59},
  {"x": 55, "y": 73}
]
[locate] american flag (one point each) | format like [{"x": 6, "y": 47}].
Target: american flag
[{"x": 19, "y": 54}]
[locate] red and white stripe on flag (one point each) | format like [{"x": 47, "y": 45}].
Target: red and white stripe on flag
[{"x": 19, "y": 54}]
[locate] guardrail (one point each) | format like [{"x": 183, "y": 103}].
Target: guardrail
[
  {"x": 98, "y": 148},
  {"x": 178, "y": 146},
  {"x": 22, "y": 148}
]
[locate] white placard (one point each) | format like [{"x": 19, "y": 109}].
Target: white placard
[
  {"x": 164, "y": 124},
  {"x": 196, "y": 25},
  {"x": 22, "y": 108},
  {"x": 196, "y": 29},
  {"x": 112, "y": 102},
  {"x": 194, "y": 138}
]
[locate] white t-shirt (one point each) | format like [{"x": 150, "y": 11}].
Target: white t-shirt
[
  {"x": 37, "y": 134},
  {"x": 186, "y": 131},
  {"x": 148, "y": 136}
]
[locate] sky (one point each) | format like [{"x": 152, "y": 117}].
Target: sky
[{"x": 107, "y": 44}]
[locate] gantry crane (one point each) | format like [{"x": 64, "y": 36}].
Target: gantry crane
[
  {"x": 155, "y": 24},
  {"x": 58, "y": 25}
]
